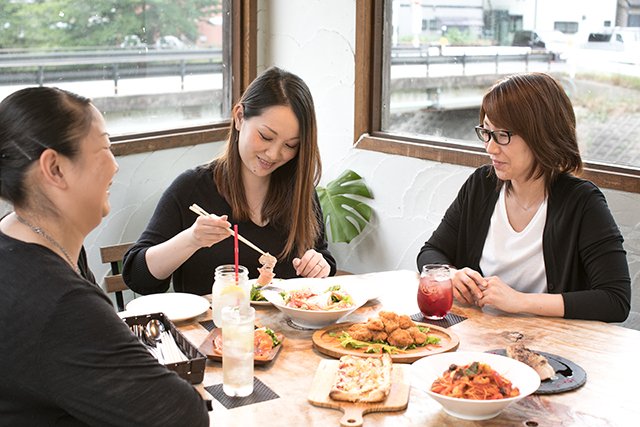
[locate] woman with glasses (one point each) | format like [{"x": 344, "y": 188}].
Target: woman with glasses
[{"x": 525, "y": 234}]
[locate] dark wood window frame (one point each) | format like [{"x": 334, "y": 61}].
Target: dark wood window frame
[
  {"x": 368, "y": 101},
  {"x": 241, "y": 54}
]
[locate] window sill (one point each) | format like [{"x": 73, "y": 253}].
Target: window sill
[
  {"x": 153, "y": 141},
  {"x": 613, "y": 177}
]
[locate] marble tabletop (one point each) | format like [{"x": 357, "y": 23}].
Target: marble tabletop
[{"x": 606, "y": 352}]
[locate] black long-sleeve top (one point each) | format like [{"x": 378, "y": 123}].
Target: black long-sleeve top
[
  {"x": 582, "y": 248},
  {"x": 195, "y": 275},
  {"x": 68, "y": 359}
]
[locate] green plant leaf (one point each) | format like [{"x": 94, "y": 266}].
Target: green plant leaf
[{"x": 344, "y": 215}]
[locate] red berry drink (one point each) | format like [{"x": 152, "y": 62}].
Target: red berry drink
[{"x": 435, "y": 292}]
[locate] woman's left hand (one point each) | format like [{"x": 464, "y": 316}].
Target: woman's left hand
[
  {"x": 312, "y": 264},
  {"x": 498, "y": 294}
]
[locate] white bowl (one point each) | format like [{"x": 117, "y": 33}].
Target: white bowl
[
  {"x": 426, "y": 370},
  {"x": 313, "y": 319}
]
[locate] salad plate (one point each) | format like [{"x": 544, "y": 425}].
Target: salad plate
[{"x": 325, "y": 301}]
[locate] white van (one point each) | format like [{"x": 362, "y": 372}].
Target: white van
[{"x": 618, "y": 39}]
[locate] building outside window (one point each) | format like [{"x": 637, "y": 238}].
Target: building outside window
[{"x": 431, "y": 80}]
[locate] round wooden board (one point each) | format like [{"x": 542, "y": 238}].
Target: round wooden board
[{"x": 330, "y": 345}]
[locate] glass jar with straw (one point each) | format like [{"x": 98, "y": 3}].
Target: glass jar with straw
[{"x": 230, "y": 286}]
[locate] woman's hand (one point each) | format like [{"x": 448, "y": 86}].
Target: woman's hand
[
  {"x": 312, "y": 264},
  {"x": 467, "y": 285},
  {"x": 207, "y": 231},
  {"x": 498, "y": 294}
]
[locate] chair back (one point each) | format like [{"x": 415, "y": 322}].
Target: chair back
[{"x": 113, "y": 282}]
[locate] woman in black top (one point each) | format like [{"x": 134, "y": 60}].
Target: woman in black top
[
  {"x": 66, "y": 357},
  {"x": 525, "y": 234}
]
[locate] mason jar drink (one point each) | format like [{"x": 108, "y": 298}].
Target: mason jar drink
[
  {"x": 227, "y": 292},
  {"x": 237, "y": 350},
  {"x": 435, "y": 291}
]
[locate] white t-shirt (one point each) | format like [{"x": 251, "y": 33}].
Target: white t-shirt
[{"x": 515, "y": 257}]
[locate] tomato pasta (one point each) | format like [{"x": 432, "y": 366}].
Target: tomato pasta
[{"x": 475, "y": 381}]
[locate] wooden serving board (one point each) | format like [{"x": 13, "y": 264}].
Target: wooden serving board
[
  {"x": 209, "y": 349},
  {"x": 330, "y": 345},
  {"x": 397, "y": 400}
]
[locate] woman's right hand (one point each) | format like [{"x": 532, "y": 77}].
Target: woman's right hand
[
  {"x": 207, "y": 231},
  {"x": 467, "y": 285}
]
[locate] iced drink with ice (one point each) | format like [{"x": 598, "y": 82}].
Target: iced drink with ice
[
  {"x": 435, "y": 291},
  {"x": 237, "y": 350}
]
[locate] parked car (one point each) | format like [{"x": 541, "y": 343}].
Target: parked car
[
  {"x": 132, "y": 41},
  {"x": 619, "y": 39},
  {"x": 170, "y": 42},
  {"x": 554, "y": 42}
]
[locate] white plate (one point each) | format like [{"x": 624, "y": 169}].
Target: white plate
[{"x": 175, "y": 305}]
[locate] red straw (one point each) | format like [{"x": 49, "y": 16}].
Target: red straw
[{"x": 235, "y": 249}]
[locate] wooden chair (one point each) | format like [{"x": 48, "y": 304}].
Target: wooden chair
[{"x": 113, "y": 282}]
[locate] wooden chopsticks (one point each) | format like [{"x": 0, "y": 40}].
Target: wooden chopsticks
[{"x": 197, "y": 209}]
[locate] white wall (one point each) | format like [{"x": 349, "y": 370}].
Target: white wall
[{"x": 136, "y": 188}]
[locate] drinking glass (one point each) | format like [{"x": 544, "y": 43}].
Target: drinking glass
[
  {"x": 435, "y": 291},
  {"x": 227, "y": 292},
  {"x": 237, "y": 350}
]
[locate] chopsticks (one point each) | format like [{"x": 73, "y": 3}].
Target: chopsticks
[{"x": 197, "y": 209}]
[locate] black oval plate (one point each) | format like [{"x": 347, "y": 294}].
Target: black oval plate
[{"x": 569, "y": 376}]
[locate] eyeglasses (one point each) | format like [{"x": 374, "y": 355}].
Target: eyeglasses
[{"x": 501, "y": 137}]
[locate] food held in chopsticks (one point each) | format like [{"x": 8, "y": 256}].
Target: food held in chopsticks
[
  {"x": 362, "y": 379},
  {"x": 333, "y": 298},
  {"x": 537, "y": 361},
  {"x": 476, "y": 381},
  {"x": 268, "y": 262}
]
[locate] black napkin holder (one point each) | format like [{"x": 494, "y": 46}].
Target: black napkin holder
[{"x": 191, "y": 370}]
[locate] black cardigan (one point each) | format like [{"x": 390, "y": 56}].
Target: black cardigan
[{"x": 581, "y": 243}]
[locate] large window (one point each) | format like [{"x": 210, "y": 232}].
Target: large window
[
  {"x": 424, "y": 65},
  {"x": 160, "y": 71}
]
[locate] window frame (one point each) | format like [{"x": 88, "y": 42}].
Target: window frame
[
  {"x": 369, "y": 61},
  {"x": 241, "y": 53}
]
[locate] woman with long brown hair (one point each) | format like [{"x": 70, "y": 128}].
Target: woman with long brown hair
[
  {"x": 525, "y": 233},
  {"x": 264, "y": 182}
]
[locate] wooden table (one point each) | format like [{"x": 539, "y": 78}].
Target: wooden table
[{"x": 607, "y": 353}]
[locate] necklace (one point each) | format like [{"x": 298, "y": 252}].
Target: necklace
[
  {"x": 50, "y": 239},
  {"x": 525, "y": 208}
]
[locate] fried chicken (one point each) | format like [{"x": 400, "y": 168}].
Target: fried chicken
[
  {"x": 390, "y": 320},
  {"x": 399, "y": 331},
  {"x": 375, "y": 324},
  {"x": 400, "y": 338},
  {"x": 359, "y": 331},
  {"x": 418, "y": 336},
  {"x": 405, "y": 322}
]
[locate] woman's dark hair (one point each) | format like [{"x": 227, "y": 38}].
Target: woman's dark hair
[
  {"x": 289, "y": 203},
  {"x": 535, "y": 107},
  {"x": 32, "y": 120}
]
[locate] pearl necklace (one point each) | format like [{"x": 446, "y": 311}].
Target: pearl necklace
[{"x": 50, "y": 239}]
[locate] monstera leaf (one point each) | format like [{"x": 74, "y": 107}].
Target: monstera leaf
[{"x": 345, "y": 216}]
